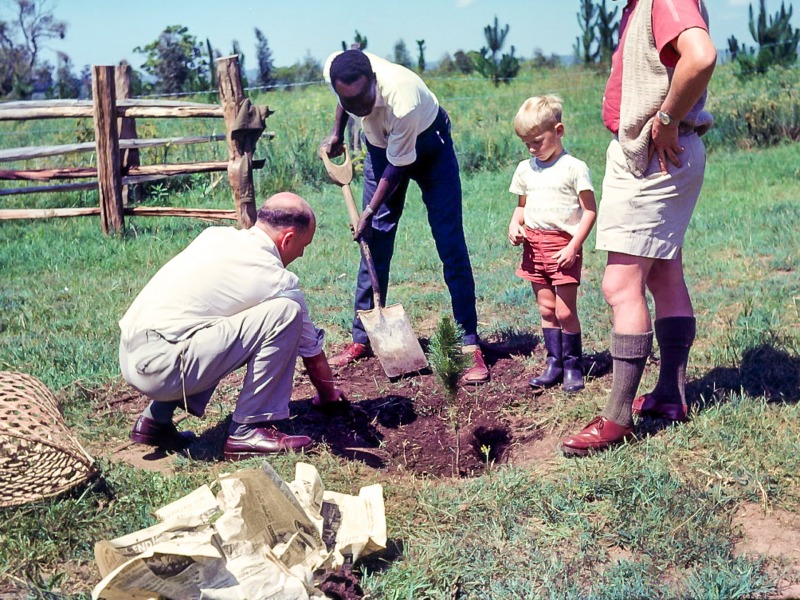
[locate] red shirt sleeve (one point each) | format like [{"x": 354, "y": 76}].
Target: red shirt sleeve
[{"x": 670, "y": 19}]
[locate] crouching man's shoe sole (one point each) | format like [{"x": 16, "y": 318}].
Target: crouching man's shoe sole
[
  {"x": 264, "y": 441},
  {"x": 150, "y": 432}
]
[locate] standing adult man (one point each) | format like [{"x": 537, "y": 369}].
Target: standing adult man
[
  {"x": 655, "y": 165},
  {"x": 408, "y": 137},
  {"x": 225, "y": 301}
]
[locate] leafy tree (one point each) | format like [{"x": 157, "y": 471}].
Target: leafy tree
[
  {"x": 359, "y": 42},
  {"x": 174, "y": 60},
  {"x": 401, "y": 55},
  {"x": 540, "y": 61},
  {"x": 42, "y": 79},
  {"x": 463, "y": 62},
  {"x": 306, "y": 71},
  {"x": 586, "y": 50},
  {"x": 487, "y": 63},
  {"x": 733, "y": 47},
  {"x": 776, "y": 38},
  {"x": 68, "y": 85},
  {"x": 264, "y": 58},
  {"x": 421, "y": 59},
  {"x": 21, "y": 41},
  {"x": 606, "y": 28},
  {"x": 446, "y": 64}
]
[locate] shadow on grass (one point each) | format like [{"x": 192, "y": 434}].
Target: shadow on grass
[
  {"x": 765, "y": 370},
  {"x": 509, "y": 342},
  {"x": 382, "y": 561}
]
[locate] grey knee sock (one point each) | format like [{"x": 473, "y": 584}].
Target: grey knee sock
[
  {"x": 160, "y": 412},
  {"x": 675, "y": 336},
  {"x": 630, "y": 352}
]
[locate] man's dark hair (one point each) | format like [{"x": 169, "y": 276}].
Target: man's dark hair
[
  {"x": 284, "y": 218},
  {"x": 348, "y": 66}
]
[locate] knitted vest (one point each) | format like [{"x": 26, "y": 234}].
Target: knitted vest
[{"x": 645, "y": 83}]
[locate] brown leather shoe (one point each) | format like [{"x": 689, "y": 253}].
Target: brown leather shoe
[
  {"x": 150, "y": 432},
  {"x": 648, "y": 406},
  {"x": 263, "y": 441},
  {"x": 478, "y": 373},
  {"x": 351, "y": 353},
  {"x": 598, "y": 435}
]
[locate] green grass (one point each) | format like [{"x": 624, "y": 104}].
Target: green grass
[{"x": 652, "y": 519}]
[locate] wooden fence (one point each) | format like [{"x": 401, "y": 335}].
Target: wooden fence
[{"x": 117, "y": 148}]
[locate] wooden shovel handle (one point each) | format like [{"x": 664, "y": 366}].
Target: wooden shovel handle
[
  {"x": 365, "y": 251},
  {"x": 342, "y": 175}
]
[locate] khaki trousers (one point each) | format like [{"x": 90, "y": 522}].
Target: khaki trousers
[{"x": 265, "y": 337}]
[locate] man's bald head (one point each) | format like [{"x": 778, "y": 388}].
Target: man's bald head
[{"x": 286, "y": 210}]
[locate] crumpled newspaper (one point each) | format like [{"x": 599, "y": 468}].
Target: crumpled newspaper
[{"x": 259, "y": 537}]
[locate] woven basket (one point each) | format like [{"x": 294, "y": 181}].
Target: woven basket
[{"x": 39, "y": 456}]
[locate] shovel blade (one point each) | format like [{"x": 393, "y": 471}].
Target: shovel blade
[{"x": 393, "y": 340}]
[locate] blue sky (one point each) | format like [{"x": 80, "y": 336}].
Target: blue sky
[{"x": 106, "y": 31}]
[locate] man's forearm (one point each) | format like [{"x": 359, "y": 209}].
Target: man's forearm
[
  {"x": 320, "y": 374},
  {"x": 390, "y": 180},
  {"x": 339, "y": 122}
]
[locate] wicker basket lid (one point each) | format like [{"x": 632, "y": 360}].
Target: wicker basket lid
[{"x": 39, "y": 455}]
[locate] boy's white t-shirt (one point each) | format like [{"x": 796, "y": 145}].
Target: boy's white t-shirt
[{"x": 552, "y": 192}]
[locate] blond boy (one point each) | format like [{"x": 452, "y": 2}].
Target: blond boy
[{"x": 554, "y": 215}]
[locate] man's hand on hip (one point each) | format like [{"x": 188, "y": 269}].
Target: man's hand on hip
[{"x": 665, "y": 145}]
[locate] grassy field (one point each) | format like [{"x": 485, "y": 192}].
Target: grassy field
[{"x": 652, "y": 519}]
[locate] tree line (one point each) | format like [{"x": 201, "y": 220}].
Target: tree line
[{"x": 178, "y": 62}]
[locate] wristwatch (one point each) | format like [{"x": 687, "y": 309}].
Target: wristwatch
[{"x": 664, "y": 118}]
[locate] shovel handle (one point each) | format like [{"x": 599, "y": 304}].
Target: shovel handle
[
  {"x": 342, "y": 175},
  {"x": 365, "y": 251}
]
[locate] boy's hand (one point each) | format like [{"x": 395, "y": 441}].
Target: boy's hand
[
  {"x": 565, "y": 257},
  {"x": 516, "y": 233}
]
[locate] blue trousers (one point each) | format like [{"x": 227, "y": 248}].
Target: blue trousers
[{"x": 436, "y": 173}]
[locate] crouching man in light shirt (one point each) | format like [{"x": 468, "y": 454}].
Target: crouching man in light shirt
[{"x": 226, "y": 301}]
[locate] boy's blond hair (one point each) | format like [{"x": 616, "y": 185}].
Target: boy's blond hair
[{"x": 537, "y": 114}]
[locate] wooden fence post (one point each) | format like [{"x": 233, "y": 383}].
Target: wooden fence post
[
  {"x": 240, "y": 172},
  {"x": 126, "y": 126},
  {"x": 109, "y": 175}
]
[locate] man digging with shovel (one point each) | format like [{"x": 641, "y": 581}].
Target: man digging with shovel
[{"x": 407, "y": 137}]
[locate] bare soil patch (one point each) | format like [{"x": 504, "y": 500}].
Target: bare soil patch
[
  {"x": 776, "y": 535},
  {"x": 396, "y": 426}
]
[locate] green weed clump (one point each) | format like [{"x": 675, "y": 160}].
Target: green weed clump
[{"x": 757, "y": 112}]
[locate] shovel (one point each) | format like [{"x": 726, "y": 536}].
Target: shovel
[{"x": 389, "y": 331}]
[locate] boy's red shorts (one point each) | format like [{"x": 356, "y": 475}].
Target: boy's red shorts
[{"x": 538, "y": 265}]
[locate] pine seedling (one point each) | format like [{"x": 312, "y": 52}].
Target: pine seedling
[{"x": 448, "y": 362}]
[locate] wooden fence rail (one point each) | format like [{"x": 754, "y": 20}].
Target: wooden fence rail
[{"x": 116, "y": 146}]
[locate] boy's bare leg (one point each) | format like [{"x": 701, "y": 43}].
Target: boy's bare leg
[
  {"x": 567, "y": 308},
  {"x": 546, "y": 300}
]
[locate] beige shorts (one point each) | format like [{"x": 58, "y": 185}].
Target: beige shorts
[{"x": 648, "y": 216}]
